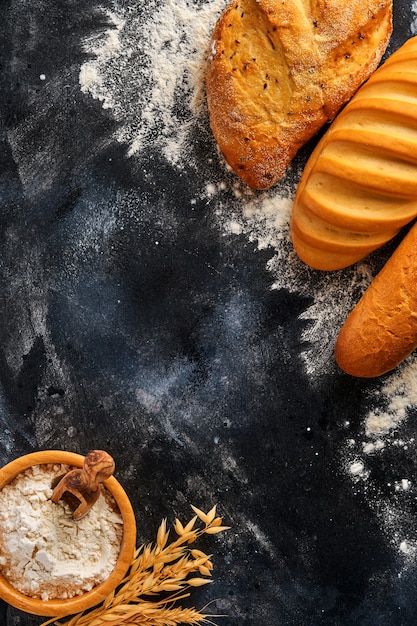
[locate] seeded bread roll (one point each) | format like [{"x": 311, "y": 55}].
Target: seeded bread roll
[
  {"x": 359, "y": 187},
  {"x": 280, "y": 69},
  {"x": 381, "y": 331}
]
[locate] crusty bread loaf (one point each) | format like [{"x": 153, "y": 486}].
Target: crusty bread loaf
[
  {"x": 381, "y": 330},
  {"x": 359, "y": 186},
  {"x": 280, "y": 69}
]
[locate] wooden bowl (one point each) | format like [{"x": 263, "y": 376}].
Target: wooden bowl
[{"x": 59, "y": 607}]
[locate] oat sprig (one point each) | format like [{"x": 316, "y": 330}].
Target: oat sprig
[{"x": 160, "y": 575}]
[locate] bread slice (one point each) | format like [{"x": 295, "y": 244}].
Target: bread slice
[
  {"x": 359, "y": 187},
  {"x": 381, "y": 331},
  {"x": 280, "y": 69}
]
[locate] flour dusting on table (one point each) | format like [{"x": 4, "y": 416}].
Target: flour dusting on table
[
  {"x": 148, "y": 70},
  {"x": 414, "y": 22},
  {"x": 147, "y": 67}
]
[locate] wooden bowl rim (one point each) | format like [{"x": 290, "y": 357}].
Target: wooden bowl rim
[{"x": 77, "y": 604}]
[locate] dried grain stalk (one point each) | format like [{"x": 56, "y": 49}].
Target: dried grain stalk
[{"x": 160, "y": 575}]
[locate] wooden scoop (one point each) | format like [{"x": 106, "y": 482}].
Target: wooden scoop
[{"x": 81, "y": 487}]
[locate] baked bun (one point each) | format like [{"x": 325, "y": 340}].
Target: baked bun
[
  {"x": 381, "y": 331},
  {"x": 359, "y": 186},
  {"x": 280, "y": 69}
]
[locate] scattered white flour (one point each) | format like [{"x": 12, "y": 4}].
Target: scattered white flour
[
  {"x": 148, "y": 68},
  {"x": 400, "y": 393},
  {"x": 150, "y": 60},
  {"x": 370, "y": 447},
  {"x": 148, "y": 71},
  {"x": 357, "y": 468},
  {"x": 261, "y": 538},
  {"x": 414, "y": 22},
  {"x": 380, "y": 437},
  {"x": 44, "y": 553}
]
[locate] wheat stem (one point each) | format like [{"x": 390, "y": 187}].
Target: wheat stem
[{"x": 157, "y": 570}]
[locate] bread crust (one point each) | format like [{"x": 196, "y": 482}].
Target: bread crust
[
  {"x": 280, "y": 69},
  {"x": 359, "y": 186},
  {"x": 381, "y": 331}
]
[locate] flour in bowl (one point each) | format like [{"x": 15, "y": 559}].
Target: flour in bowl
[{"x": 46, "y": 554}]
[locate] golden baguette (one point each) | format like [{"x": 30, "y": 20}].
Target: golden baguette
[
  {"x": 280, "y": 69},
  {"x": 381, "y": 331},
  {"x": 359, "y": 187}
]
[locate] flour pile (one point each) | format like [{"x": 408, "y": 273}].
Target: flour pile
[{"x": 44, "y": 552}]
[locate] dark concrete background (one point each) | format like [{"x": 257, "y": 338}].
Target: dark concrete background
[{"x": 174, "y": 357}]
